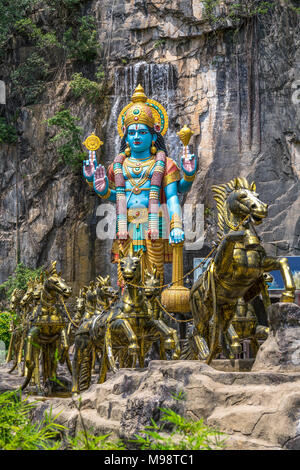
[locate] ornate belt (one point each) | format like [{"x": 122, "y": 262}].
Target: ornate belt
[{"x": 137, "y": 216}]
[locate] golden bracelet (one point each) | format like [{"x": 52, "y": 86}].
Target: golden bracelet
[
  {"x": 106, "y": 196},
  {"x": 189, "y": 178},
  {"x": 176, "y": 222}
]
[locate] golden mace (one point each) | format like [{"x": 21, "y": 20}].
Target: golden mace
[{"x": 176, "y": 297}]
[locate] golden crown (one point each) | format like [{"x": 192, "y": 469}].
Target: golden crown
[{"x": 142, "y": 110}]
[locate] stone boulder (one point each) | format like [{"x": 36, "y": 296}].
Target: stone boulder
[{"x": 281, "y": 351}]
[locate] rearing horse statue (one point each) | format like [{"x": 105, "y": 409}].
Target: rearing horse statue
[{"x": 235, "y": 271}]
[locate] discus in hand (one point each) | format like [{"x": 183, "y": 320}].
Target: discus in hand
[{"x": 92, "y": 143}]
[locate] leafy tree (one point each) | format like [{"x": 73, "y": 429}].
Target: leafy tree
[
  {"x": 69, "y": 138},
  {"x": 8, "y": 133},
  {"x": 28, "y": 79},
  {"x": 26, "y": 27},
  {"x": 11, "y": 12},
  {"x": 82, "y": 86},
  {"x": 19, "y": 279},
  {"x": 82, "y": 44},
  {"x": 5, "y": 322}
]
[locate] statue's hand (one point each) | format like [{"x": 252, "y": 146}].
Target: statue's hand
[
  {"x": 153, "y": 234},
  {"x": 176, "y": 235},
  {"x": 89, "y": 166},
  {"x": 189, "y": 163},
  {"x": 100, "y": 179}
]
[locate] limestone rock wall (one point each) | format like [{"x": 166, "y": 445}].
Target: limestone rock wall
[{"x": 232, "y": 80}]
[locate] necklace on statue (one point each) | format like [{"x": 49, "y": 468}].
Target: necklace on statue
[
  {"x": 137, "y": 165},
  {"x": 136, "y": 185}
]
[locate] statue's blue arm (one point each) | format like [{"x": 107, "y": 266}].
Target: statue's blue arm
[{"x": 171, "y": 192}]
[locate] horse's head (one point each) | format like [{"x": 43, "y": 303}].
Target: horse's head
[
  {"x": 55, "y": 284},
  {"x": 152, "y": 284},
  {"x": 81, "y": 299},
  {"x": 235, "y": 201},
  {"x": 91, "y": 295},
  {"x": 28, "y": 296},
  {"x": 131, "y": 266},
  {"x": 104, "y": 290},
  {"x": 244, "y": 200},
  {"x": 15, "y": 298},
  {"x": 38, "y": 286}
]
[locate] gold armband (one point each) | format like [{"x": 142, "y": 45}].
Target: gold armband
[
  {"x": 90, "y": 183},
  {"x": 176, "y": 222},
  {"x": 189, "y": 178}
]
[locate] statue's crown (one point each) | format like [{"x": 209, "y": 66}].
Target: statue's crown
[
  {"x": 139, "y": 112},
  {"x": 142, "y": 110}
]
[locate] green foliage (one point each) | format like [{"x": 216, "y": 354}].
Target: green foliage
[
  {"x": 82, "y": 86},
  {"x": 11, "y": 12},
  {"x": 19, "y": 279},
  {"x": 16, "y": 430},
  {"x": 18, "y": 433},
  {"x": 209, "y": 12},
  {"x": 292, "y": 7},
  {"x": 8, "y": 133},
  {"x": 250, "y": 9},
  {"x": 88, "y": 441},
  {"x": 159, "y": 43},
  {"x": 69, "y": 138},
  {"x": 5, "y": 322},
  {"x": 82, "y": 44},
  {"x": 186, "y": 434},
  {"x": 100, "y": 74},
  {"x": 68, "y": 4},
  {"x": 207, "y": 211},
  {"x": 28, "y": 79},
  {"x": 236, "y": 10},
  {"x": 28, "y": 28}
]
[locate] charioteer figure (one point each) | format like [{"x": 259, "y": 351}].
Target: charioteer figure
[{"x": 144, "y": 183}]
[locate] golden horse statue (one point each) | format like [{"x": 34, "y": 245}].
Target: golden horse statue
[
  {"x": 125, "y": 331},
  {"x": 23, "y": 305},
  {"x": 237, "y": 270},
  {"x": 47, "y": 333}
]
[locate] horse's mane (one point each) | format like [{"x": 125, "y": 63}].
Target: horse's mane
[{"x": 221, "y": 193}]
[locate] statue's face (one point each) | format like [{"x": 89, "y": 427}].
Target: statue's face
[{"x": 139, "y": 137}]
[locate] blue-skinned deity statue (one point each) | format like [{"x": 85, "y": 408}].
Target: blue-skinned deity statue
[{"x": 144, "y": 183}]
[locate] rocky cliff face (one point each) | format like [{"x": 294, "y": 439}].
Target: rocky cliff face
[{"x": 231, "y": 78}]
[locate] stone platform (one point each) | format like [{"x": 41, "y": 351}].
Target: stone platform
[
  {"x": 257, "y": 410},
  {"x": 256, "y": 405}
]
